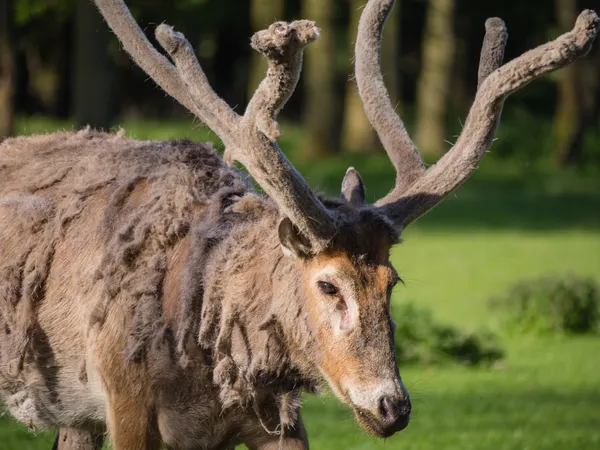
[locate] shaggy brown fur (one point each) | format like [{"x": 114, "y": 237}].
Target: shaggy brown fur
[{"x": 236, "y": 328}]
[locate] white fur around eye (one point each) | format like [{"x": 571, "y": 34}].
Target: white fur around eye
[
  {"x": 342, "y": 309},
  {"x": 345, "y": 315}
]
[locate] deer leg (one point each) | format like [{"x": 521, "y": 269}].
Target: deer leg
[
  {"x": 129, "y": 425},
  {"x": 73, "y": 439},
  {"x": 128, "y": 418}
]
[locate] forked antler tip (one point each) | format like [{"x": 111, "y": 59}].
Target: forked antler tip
[
  {"x": 587, "y": 25},
  {"x": 307, "y": 31},
  {"x": 588, "y": 19},
  {"x": 282, "y": 37},
  {"x": 584, "y": 32},
  {"x": 168, "y": 38}
]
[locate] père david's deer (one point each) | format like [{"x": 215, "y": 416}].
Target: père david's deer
[{"x": 145, "y": 287}]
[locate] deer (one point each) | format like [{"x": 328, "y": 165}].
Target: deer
[{"x": 150, "y": 293}]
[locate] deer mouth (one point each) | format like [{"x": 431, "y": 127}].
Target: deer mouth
[{"x": 374, "y": 426}]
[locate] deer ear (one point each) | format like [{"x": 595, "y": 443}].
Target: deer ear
[
  {"x": 293, "y": 242},
  {"x": 353, "y": 190}
]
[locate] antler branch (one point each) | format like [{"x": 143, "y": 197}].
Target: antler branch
[
  {"x": 377, "y": 104},
  {"x": 251, "y": 138},
  {"x": 417, "y": 190},
  {"x": 134, "y": 41},
  {"x": 477, "y": 135},
  {"x": 212, "y": 110},
  {"x": 282, "y": 44}
]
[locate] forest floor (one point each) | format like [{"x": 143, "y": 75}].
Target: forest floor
[{"x": 507, "y": 223}]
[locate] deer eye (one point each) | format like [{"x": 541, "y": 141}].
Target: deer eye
[{"x": 327, "y": 288}]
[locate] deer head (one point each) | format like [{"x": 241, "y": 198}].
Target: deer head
[{"x": 343, "y": 246}]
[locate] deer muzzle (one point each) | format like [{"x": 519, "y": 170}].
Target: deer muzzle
[{"x": 381, "y": 411}]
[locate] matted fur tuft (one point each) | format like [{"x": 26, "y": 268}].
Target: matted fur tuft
[{"x": 150, "y": 193}]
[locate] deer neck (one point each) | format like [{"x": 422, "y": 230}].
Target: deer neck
[{"x": 252, "y": 321}]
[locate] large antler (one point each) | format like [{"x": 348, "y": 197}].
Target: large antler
[
  {"x": 249, "y": 139},
  {"x": 418, "y": 190}
]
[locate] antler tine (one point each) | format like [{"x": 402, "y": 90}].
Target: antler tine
[
  {"x": 250, "y": 139},
  {"x": 492, "y": 55},
  {"x": 492, "y": 49},
  {"x": 254, "y": 142},
  {"x": 377, "y": 104},
  {"x": 283, "y": 45},
  {"x": 213, "y": 111},
  {"x": 477, "y": 135},
  {"x": 202, "y": 101}
]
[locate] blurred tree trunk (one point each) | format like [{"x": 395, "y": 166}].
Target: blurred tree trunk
[
  {"x": 359, "y": 135},
  {"x": 319, "y": 81},
  {"x": 263, "y": 13},
  {"x": 578, "y": 86},
  {"x": 460, "y": 96},
  {"x": 435, "y": 79},
  {"x": 93, "y": 76},
  {"x": 7, "y": 69},
  {"x": 64, "y": 74}
]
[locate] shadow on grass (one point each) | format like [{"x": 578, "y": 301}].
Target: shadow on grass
[{"x": 534, "y": 418}]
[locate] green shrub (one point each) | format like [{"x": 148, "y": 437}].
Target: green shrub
[
  {"x": 551, "y": 304},
  {"x": 419, "y": 339}
]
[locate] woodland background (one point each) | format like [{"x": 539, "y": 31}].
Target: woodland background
[
  {"x": 522, "y": 233},
  {"x": 58, "y": 58}
]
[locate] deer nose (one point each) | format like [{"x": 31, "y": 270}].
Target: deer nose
[{"x": 394, "y": 412}]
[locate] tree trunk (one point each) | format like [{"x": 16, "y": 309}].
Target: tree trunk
[
  {"x": 63, "y": 65},
  {"x": 320, "y": 109},
  {"x": 460, "y": 94},
  {"x": 72, "y": 439},
  {"x": 435, "y": 79},
  {"x": 262, "y": 14},
  {"x": 93, "y": 77},
  {"x": 7, "y": 70},
  {"x": 359, "y": 135},
  {"x": 578, "y": 87}
]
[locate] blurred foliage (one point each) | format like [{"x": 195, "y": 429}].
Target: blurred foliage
[
  {"x": 220, "y": 32},
  {"x": 553, "y": 304},
  {"x": 27, "y": 11},
  {"x": 420, "y": 339}
]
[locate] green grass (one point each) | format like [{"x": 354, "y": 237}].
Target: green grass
[{"x": 505, "y": 224}]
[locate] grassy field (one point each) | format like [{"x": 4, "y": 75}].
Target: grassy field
[{"x": 505, "y": 224}]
